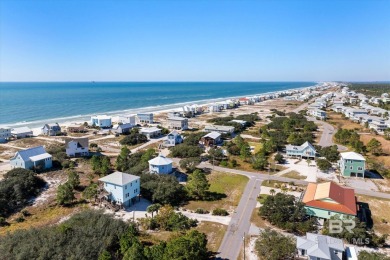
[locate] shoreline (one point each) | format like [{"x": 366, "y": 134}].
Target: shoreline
[{"x": 156, "y": 110}]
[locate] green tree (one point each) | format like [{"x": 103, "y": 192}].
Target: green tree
[
  {"x": 279, "y": 158},
  {"x": 375, "y": 147},
  {"x": 190, "y": 164},
  {"x": 198, "y": 185},
  {"x": 191, "y": 246},
  {"x": 323, "y": 165},
  {"x": 153, "y": 208},
  {"x": 105, "y": 255},
  {"x": 135, "y": 252},
  {"x": 364, "y": 255},
  {"x": 122, "y": 159},
  {"x": 186, "y": 151},
  {"x": 91, "y": 191},
  {"x": 245, "y": 151},
  {"x": 272, "y": 245},
  {"x": 216, "y": 154},
  {"x": 259, "y": 162},
  {"x": 73, "y": 179},
  {"x": 65, "y": 194}
]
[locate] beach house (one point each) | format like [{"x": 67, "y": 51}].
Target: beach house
[
  {"x": 35, "y": 157},
  {"x": 21, "y": 132},
  {"x": 317, "y": 113},
  {"x": 102, "y": 121},
  {"x": 172, "y": 139},
  {"x": 5, "y": 134},
  {"x": 144, "y": 118},
  {"x": 51, "y": 129},
  {"x": 320, "y": 247},
  {"x": 75, "y": 147},
  {"x": 122, "y": 128},
  {"x": 324, "y": 200},
  {"x": 211, "y": 139},
  {"x": 305, "y": 150},
  {"x": 178, "y": 123},
  {"x": 160, "y": 165},
  {"x": 122, "y": 188},
  {"x": 352, "y": 164},
  {"x": 150, "y": 132},
  {"x": 73, "y": 128},
  {"x": 222, "y": 129},
  {"x": 125, "y": 119}
]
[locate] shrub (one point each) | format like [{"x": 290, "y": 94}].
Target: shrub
[
  {"x": 3, "y": 222},
  {"x": 220, "y": 212},
  {"x": 201, "y": 211}
]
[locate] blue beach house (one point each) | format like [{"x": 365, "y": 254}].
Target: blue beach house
[
  {"x": 160, "y": 165},
  {"x": 35, "y": 157},
  {"x": 305, "y": 150},
  {"x": 122, "y": 188}
]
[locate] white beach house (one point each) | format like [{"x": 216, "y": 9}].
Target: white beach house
[
  {"x": 172, "y": 139},
  {"x": 122, "y": 188},
  {"x": 76, "y": 147},
  {"x": 178, "y": 123},
  {"x": 102, "y": 121},
  {"x": 160, "y": 165},
  {"x": 21, "y": 132},
  {"x": 150, "y": 132}
]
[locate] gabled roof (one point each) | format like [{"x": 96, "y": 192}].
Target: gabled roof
[
  {"x": 343, "y": 199},
  {"x": 212, "y": 135},
  {"x": 352, "y": 156},
  {"x": 81, "y": 142},
  {"x": 27, "y": 153},
  {"x": 160, "y": 160},
  {"x": 319, "y": 245},
  {"x": 119, "y": 178},
  {"x": 123, "y": 126},
  {"x": 301, "y": 147},
  {"x": 21, "y": 130}
]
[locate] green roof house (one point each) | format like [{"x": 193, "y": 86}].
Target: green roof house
[{"x": 352, "y": 164}]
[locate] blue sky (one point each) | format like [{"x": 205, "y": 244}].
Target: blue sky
[{"x": 194, "y": 40}]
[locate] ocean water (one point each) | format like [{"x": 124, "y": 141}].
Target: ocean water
[{"x": 34, "y": 103}]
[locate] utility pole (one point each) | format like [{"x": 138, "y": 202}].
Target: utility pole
[
  {"x": 269, "y": 168},
  {"x": 243, "y": 239}
]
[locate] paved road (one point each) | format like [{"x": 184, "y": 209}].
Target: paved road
[
  {"x": 240, "y": 222},
  {"x": 328, "y": 132}
]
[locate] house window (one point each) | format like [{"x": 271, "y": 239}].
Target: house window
[
  {"x": 360, "y": 168},
  {"x": 114, "y": 186},
  {"x": 125, "y": 187},
  {"x": 351, "y": 168},
  {"x": 329, "y": 213},
  {"x": 131, "y": 184}
]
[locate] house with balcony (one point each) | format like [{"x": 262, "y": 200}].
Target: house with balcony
[
  {"x": 178, "y": 123},
  {"x": 352, "y": 164},
  {"x": 122, "y": 188},
  {"x": 75, "y": 147},
  {"x": 31, "y": 158},
  {"x": 211, "y": 139},
  {"x": 160, "y": 165},
  {"x": 144, "y": 118},
  {"x": 305, "y": 150},
  {"x": 51, "y": 129},
  {"x": 101, "y": 121},
  {"x": 324, "y": 200},
  {"x": 150, "y": 132},
  {"x": 172, "y": 139}
]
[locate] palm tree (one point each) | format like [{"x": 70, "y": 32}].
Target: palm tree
[
  {"x": 153, "y": 208},
  {"x": 272, "y": 191}
]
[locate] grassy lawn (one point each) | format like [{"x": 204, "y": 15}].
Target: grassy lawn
[
  {"x": 257, "y": 146},
  {"x": 380, "y": 212},
  {"x": 214, "y": 232},
  {"x": 257, "y": 220},
  {"x": 294, "y": 175},
  {"x": 337, "y": 120},
  {"x": 39, "y": 218},
  {"x": 227, "y": 188},
  {"x": 262, "y": 197}
]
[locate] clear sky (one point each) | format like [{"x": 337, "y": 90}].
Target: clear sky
[{"x": 65, "y": 40}]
